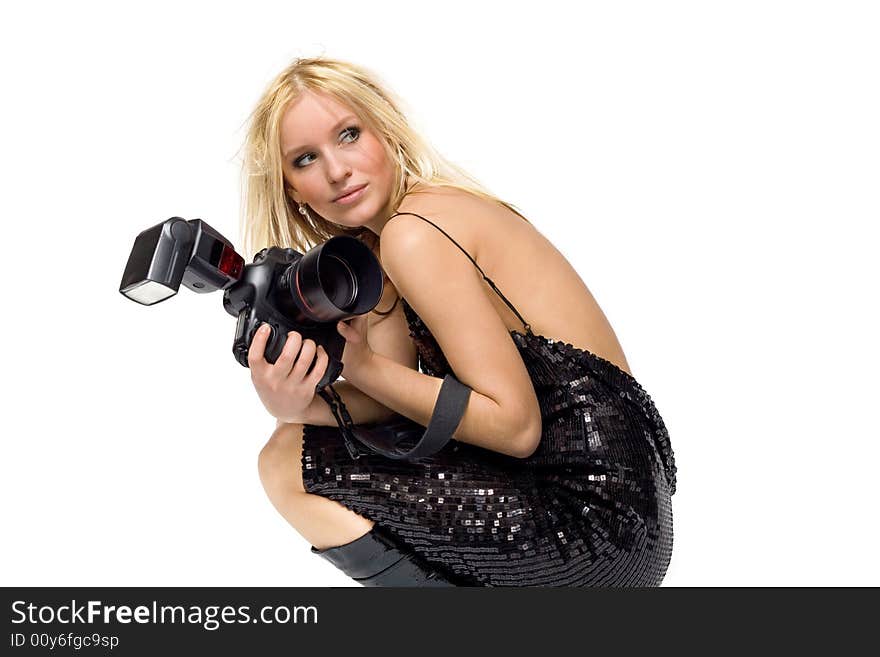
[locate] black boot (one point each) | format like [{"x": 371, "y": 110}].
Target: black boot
[{"x": 375, "y": 560}]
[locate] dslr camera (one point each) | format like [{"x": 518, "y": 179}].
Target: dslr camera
[{"x": 290, "y": 291}]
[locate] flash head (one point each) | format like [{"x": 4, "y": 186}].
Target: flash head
[{"x": 179, "y": 251}]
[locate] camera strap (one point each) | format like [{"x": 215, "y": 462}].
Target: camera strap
[
  {"x": 343, "y": 419},
  {"x": 386, "y": 438}
]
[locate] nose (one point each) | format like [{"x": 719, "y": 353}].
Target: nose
[{"x": 337, "y": 167}]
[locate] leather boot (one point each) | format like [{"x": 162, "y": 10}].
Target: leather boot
[{"x": 375, "y": 560}]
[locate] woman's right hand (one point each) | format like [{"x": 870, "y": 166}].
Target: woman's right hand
[{"x": 286, "y": 387}]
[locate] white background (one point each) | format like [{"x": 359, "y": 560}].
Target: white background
[{"x": 710, "y": 169}]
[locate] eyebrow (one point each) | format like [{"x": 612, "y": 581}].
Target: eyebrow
[{"x": 342, "y": 122}]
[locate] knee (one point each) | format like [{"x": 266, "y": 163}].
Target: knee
[{"x": 280, "y": 461}]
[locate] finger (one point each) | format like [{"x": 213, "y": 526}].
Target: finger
[
  {"x": 256, "y": 351},
  {"x": 304, "y": 360},
  {"x": 288, "y": 353},
  {"x": 319, "y": 368},
  {"x": 349, "y": 332}
]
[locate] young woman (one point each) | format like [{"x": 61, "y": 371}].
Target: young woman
[{"x": 560, "y": 472}]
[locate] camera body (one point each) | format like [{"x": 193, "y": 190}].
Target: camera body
[
  {"x": 263, "y": 294},
  {"x": 290, "y": 291}
]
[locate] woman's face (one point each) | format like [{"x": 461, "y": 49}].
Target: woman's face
[{"x": 327, "y": 152}]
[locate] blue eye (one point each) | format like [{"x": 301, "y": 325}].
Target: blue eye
[
  {"x": 298, "y": 162},
  {"x": 351, "y": 131}
]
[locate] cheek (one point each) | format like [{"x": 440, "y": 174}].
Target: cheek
[
  {"x": 374, "y": 155},
  {"x": 302, "y": 181}
]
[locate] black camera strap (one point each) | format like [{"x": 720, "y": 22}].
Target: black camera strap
[
  {"x": 385, "y": 438},
  {"x": 343, "y": 419}
]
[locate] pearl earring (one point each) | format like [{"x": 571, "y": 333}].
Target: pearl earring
[{"x": 304, "y": 211}]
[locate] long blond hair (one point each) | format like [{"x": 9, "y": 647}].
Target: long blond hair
[{"x": 270, "y": 216}]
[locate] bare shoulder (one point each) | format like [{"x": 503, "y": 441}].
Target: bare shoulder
[{"x": 462, "y": 215}]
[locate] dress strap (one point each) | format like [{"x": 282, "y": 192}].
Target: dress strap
[{"x": 487, "y": 279}]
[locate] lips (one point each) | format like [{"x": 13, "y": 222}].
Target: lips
[{"x": 351, "y": 190}]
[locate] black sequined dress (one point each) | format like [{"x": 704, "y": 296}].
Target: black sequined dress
[{"x": 591, "y": 507}]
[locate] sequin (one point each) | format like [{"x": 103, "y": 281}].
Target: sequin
[{"x": 591, "y": 506}]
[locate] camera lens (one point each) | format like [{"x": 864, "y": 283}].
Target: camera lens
[{"x": 338, "y": 281}]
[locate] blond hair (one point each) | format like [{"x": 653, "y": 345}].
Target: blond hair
[{"x": 270, "y": 216}]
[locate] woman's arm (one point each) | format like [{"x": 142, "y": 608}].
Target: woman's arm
[
  {"x": 485, "y": 422},
  {"x": 447, "y": 292},
  {"x": 362, "y": 408}
]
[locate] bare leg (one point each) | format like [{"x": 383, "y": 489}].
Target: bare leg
[{"x": 323, "y": 522}]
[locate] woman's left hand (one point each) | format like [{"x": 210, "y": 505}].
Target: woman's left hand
[{"x": 357, "y": 353}]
